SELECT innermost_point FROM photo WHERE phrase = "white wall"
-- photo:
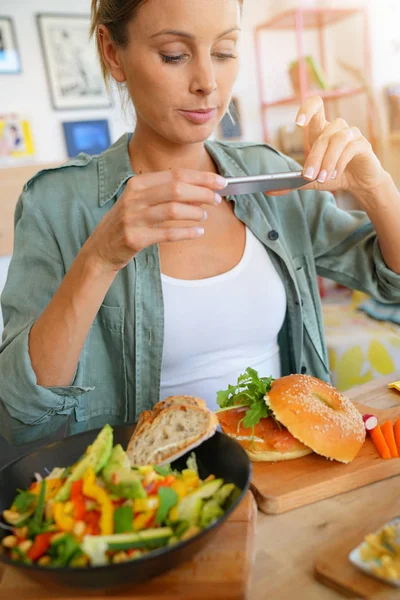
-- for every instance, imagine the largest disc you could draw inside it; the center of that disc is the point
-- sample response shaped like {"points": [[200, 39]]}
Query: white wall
{"points": [[28, 93]]}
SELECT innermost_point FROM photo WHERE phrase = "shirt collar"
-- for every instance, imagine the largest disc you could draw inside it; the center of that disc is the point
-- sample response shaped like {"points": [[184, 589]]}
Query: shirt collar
{"points": [[114, 169], [115, 166]]}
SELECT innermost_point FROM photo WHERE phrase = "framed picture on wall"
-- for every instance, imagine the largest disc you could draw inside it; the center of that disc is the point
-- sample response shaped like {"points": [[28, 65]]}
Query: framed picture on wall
{"points": [[72, 66], [230, 128], [92, 137], [9, 55], [16, 140]]}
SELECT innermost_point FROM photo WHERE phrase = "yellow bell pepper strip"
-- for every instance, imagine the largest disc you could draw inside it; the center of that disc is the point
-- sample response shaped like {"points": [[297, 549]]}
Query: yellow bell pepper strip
{"points": [[52, 487], [63, 521], [93, 491], [144, 520], [146, 504]]}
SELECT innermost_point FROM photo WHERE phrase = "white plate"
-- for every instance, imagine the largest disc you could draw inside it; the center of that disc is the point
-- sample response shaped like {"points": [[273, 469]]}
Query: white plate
{"points": [[357, 561]]}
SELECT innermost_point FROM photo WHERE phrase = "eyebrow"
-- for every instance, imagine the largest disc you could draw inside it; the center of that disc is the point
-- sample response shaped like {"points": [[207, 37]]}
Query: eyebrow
{"points": [[190, 36]]}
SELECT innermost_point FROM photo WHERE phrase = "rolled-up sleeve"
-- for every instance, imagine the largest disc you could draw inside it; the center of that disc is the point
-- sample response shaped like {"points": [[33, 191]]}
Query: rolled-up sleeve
{"points": [[29, 411], [346, 248]]}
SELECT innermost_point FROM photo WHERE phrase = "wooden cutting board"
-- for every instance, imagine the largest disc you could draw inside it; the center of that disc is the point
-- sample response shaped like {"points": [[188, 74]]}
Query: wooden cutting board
{"points": [[335, 570], [221, 571], [282, 486]]}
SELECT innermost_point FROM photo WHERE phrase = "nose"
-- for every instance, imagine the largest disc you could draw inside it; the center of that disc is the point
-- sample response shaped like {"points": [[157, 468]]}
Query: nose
{"points": [[203, 80]]}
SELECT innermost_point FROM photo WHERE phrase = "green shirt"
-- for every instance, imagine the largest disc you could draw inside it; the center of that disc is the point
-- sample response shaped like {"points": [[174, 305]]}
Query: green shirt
{"points": [[118, 374]]}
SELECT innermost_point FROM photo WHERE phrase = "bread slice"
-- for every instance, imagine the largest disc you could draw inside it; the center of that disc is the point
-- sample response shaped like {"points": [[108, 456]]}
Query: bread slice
{"points": [[170, 430], [187, 400]]}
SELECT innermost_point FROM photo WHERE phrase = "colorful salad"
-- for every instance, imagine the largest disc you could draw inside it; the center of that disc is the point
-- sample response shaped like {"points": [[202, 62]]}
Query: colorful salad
{"points": [[102, 510]]}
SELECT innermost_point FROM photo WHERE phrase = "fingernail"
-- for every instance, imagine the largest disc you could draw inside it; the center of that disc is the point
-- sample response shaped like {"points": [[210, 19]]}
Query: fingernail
{"points": [[309, 173], [199, 230], [322, 176], [301, 120], [205, 215], [218, 199], [334, 175], [221, 181]]}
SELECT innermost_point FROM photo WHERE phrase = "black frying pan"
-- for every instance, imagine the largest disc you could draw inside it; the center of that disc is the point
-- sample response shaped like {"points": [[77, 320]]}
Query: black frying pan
{"points": [[219, 455]]}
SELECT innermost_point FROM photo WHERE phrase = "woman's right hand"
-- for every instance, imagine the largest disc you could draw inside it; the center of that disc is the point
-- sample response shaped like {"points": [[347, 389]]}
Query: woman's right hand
{"points": [[153, 208]]}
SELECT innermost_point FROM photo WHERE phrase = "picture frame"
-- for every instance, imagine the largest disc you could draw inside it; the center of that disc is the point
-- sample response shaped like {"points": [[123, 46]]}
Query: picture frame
{"points": [[90, 136], [73, 70], [16, 140], [230, 128], [10, 61]]}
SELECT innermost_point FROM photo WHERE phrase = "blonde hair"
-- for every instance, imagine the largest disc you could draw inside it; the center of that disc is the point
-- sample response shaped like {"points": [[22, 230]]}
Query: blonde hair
{"points": [[115, 14]]}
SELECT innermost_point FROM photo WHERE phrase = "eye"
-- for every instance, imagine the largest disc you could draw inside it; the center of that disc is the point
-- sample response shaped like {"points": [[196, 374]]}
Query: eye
{"points": [[167, 58], [223, 56]]}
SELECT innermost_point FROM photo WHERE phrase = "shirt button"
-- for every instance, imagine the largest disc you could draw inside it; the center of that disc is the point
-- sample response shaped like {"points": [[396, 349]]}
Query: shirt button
{"points": [[303, 370], [273, 235]]}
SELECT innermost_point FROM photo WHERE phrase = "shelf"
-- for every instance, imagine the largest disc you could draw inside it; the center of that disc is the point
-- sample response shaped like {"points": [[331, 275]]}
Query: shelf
{"points": [[324, 94], [312, 18]]}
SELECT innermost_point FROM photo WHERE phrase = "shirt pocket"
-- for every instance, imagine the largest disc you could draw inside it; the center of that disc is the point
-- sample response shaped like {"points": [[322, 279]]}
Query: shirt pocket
{"points": [[103, 366], [311, 309]]}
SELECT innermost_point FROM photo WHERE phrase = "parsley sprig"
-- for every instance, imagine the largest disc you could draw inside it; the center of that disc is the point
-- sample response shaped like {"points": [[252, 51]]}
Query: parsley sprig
{"points": [[249, 391]]}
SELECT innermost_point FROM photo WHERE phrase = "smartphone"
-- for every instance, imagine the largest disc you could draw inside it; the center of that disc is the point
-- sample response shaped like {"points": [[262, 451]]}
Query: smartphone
{"points": [[249, 184]]}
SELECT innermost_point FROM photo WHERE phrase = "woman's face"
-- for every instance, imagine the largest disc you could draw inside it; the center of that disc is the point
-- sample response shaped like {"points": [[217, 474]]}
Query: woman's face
{"points": [[180, 65]]}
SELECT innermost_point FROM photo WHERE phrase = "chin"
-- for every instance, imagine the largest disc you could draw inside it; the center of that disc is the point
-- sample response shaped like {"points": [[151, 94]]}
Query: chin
{"points": [[194, 134]]}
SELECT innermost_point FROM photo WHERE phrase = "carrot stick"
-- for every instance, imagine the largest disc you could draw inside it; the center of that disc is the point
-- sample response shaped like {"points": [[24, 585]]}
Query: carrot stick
{"points": [[388, 434], [380, 442], [396, 429]]}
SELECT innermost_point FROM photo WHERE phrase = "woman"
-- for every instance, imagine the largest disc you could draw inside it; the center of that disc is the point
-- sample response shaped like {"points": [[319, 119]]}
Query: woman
{"points": [[131, 279]]}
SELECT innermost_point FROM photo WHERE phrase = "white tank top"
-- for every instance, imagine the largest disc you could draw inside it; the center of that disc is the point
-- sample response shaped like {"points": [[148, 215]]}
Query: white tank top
{"points": [[217, 327]]}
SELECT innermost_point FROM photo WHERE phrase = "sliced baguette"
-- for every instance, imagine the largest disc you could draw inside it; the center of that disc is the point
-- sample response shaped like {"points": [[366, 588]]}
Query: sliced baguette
{"points": [[187, 400], [165, 434]]}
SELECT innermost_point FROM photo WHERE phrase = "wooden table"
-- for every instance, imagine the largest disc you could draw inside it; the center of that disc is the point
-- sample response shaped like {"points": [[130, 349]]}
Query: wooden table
{"points": [[287, 545]]}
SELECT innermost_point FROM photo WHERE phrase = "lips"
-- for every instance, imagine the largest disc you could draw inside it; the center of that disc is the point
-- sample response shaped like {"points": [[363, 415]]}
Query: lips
{"points": [[200, 115]]}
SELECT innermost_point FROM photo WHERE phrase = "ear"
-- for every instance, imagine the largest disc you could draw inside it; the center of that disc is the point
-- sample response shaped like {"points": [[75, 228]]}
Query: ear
{"points": [[111, 54]]}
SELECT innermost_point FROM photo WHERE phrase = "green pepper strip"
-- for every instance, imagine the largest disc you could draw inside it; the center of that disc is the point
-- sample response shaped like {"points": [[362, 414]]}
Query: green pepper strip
{"points": [[38, 516], [123, 519]]}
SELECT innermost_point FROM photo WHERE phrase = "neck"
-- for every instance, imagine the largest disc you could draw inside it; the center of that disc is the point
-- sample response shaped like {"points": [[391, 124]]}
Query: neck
{"points": [[150, 153]]}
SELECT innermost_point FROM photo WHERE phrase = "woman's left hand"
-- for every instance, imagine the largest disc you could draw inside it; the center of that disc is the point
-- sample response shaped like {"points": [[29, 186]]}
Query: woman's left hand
{"points": [[340, 157]]}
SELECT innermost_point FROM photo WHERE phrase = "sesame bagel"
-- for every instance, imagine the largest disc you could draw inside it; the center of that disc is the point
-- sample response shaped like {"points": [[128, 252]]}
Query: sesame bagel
{"points": [[318, 415]]}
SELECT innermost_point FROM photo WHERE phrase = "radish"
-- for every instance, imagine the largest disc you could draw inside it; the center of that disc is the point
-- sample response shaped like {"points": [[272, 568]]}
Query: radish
{"points": [[370, 422]]}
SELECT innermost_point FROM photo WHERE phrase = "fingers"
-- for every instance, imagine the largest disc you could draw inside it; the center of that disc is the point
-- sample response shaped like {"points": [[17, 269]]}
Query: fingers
{"points": [[357, 147], [311, 116], [140, 238], [173, 186], [171, 211], [206, 179], [321, 163], [179, 192]]}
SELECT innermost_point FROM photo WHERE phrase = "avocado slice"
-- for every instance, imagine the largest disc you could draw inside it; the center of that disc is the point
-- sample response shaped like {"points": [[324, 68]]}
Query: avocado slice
{"points": [[96, 457], [189, 508], [210, 512], [149, 539], [222, 495], [120, 478], [96, 546]]}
